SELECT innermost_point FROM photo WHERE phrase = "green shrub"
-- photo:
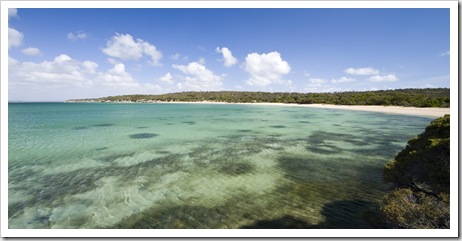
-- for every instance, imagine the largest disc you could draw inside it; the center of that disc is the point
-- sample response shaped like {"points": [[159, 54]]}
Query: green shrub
{"points": [[420, 174], [405, 208], [424, 163]]}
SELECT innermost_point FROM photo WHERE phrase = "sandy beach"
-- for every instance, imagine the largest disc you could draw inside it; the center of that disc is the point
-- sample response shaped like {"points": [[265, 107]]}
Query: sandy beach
{"points": [[416, 111], [431, 112]]}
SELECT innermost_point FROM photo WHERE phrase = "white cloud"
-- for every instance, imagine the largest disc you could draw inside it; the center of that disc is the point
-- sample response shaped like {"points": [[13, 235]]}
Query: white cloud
{"points": [[228, 58], [318, 85], [343, 80], [175, 56], [317, 82], [323, 85], [62, 58], [14, 37], [77, 36], [31, 51], [12, 12], [362, 71], [167, 78], [382, 78], [65, 78], [117, 77], [265, 69], [199, 77], [152, 51], [11, 61], [324, 89], [125, 47], [62, 71], [178, 56], [89, 67], [150, 89], [117, 81], [113, 61], [447, 53]]}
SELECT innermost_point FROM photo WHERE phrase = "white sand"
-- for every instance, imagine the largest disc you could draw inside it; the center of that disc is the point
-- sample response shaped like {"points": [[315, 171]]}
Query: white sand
{"points": [[417, 111]]}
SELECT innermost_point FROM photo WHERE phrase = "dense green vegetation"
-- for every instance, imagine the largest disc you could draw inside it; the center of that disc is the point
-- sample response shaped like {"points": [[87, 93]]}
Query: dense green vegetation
{"points": [[402, 97], [420, 174]]}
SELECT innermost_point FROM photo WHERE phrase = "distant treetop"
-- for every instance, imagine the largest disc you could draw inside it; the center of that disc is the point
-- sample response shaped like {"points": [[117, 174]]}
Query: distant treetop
{"points": [[430, 97]]}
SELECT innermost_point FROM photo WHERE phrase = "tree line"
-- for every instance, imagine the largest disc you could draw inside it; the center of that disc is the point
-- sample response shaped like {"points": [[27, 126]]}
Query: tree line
{"points": [[429, 97]]}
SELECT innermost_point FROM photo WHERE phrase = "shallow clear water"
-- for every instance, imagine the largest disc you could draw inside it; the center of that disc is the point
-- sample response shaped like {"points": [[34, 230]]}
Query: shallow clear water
{"points": [[94, 165]]}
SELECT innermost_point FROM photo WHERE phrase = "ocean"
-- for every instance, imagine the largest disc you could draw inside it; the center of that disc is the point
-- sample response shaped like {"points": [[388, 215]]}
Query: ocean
{"points": [[172, 165]]}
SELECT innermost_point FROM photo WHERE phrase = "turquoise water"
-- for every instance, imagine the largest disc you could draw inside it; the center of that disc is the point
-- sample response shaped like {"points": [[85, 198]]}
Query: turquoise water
{"points": [[101, 165]]}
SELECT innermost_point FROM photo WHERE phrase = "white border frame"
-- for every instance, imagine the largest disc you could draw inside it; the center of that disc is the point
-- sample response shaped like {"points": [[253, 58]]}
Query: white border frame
{"points": [[453, 232]]}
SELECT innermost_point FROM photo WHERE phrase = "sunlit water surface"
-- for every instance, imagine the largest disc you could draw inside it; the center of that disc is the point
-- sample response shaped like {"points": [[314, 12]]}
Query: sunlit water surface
{"points": [[94, 165]]}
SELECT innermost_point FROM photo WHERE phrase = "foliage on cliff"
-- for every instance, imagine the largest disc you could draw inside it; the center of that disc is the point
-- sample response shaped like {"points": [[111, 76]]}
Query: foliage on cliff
{"points": [[420, 174], [402, 97]]}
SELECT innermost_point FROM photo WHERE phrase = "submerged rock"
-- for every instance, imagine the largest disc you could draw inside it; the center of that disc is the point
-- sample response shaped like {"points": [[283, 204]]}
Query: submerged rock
{"points": [[103, 125], [279, 126], [80, 128], [237, 168], [143, 135]]}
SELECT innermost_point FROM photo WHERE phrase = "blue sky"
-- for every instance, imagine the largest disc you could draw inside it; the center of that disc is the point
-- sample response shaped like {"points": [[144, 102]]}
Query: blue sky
{"points": [[58, 54]]}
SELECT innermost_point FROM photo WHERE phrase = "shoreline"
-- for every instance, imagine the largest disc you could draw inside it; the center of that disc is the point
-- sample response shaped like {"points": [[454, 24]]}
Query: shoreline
{"points": [[401, 110]]}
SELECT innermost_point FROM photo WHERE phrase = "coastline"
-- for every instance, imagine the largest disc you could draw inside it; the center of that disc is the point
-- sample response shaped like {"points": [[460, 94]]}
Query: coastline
{"points": [[414, 111], [417, 111]]}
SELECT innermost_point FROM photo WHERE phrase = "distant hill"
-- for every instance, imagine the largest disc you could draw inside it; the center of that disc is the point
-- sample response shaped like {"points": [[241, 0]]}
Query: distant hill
{"points": [[430, 97]]}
